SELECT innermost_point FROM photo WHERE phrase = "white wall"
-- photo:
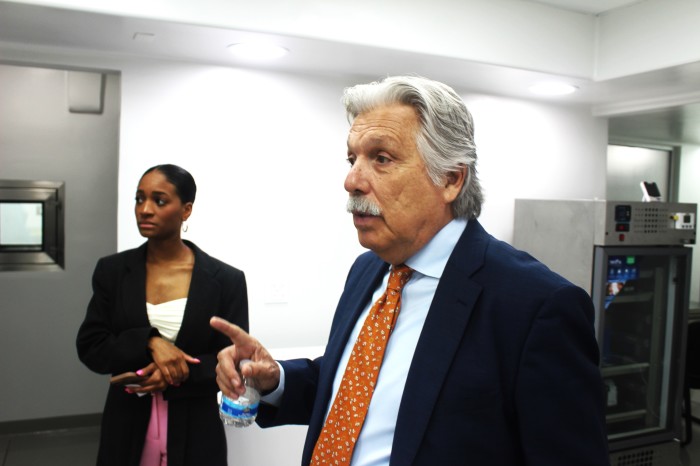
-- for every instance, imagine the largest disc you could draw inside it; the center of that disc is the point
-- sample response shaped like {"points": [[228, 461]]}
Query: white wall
{"points": [[268, 154], [534, 150]]}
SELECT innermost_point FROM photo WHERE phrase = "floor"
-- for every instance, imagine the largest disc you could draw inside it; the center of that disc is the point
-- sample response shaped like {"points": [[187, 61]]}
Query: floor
{"points": [[78, 447], [70, 447]]}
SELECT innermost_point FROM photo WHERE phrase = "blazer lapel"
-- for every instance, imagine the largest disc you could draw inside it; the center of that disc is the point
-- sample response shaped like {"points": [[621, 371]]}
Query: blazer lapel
{"points": [[359, 292], [134, 289], [202, 287], [448, 316]]}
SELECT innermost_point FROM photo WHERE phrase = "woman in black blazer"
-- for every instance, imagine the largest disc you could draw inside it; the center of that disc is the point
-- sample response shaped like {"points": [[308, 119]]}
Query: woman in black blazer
{"points": [[149, 314]]}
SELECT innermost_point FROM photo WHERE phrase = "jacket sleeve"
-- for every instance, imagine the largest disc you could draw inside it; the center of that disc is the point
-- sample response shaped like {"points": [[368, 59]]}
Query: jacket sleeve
{"points": [[105, 343], [298, 399]]}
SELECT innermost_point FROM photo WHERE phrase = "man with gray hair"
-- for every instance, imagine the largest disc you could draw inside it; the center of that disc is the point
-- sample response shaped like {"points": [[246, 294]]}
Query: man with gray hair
{"points": [[492, 358]]}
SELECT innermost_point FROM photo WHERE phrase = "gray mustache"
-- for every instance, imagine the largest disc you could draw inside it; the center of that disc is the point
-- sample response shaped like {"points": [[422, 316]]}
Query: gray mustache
{"points": [[362, 205]]}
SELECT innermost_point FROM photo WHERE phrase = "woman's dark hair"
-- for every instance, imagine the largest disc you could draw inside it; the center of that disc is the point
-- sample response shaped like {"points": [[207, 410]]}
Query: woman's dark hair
{"points": [[183, 181]]}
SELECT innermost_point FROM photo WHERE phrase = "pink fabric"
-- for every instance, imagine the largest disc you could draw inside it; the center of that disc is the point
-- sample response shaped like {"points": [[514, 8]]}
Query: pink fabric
{"points": [[155, 450]]}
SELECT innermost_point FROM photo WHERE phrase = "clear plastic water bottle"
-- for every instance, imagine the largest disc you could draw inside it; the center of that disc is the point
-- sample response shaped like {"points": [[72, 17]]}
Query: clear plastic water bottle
{"points": [[243, 411]]}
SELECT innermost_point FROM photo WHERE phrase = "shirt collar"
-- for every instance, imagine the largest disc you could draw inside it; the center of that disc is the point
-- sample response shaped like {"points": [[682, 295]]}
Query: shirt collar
{"points": [[432, 258]]}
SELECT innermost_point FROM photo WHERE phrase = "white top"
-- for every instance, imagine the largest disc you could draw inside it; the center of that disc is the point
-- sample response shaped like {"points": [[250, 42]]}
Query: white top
{"points": [[167, 317], [373, 446]]}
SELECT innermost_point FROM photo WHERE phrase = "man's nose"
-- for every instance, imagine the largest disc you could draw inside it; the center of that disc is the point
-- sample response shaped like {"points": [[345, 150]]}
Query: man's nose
{"points": [[356, 180]]}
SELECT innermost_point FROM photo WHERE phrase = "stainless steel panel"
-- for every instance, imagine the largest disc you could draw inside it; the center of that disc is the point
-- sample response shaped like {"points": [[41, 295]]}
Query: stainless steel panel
{"points": [[560, 234]]}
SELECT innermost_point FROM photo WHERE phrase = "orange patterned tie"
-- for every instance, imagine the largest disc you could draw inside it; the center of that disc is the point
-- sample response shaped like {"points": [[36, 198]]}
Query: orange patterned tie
{"points": [[347, 415]]}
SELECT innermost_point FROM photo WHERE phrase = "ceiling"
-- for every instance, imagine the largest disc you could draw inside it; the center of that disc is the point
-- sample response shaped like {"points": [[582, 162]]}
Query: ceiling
{"points": [[593, 7], [625, 101]]}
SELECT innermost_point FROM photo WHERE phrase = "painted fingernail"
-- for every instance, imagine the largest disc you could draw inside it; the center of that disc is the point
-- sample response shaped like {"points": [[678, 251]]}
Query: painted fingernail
{"points": [[139, 372]]}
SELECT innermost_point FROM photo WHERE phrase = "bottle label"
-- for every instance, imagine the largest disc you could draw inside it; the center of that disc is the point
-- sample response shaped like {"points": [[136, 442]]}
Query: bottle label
{"points": [[240, 411]]}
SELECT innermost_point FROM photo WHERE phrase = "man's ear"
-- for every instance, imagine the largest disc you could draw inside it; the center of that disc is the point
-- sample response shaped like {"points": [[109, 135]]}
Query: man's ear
{"points": [[454, 182]]}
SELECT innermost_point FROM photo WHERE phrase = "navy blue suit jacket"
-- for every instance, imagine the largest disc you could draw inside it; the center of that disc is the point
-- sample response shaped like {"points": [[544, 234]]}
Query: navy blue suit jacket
{"points": [[505, 372]]}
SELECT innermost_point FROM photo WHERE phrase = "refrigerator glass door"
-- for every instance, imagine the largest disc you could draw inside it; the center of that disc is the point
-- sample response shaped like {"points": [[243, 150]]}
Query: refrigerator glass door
{"points": [[641, 304]]}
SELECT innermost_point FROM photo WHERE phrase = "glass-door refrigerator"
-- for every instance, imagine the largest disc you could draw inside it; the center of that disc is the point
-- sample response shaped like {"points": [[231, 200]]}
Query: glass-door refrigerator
{"points": [[634, 260]]}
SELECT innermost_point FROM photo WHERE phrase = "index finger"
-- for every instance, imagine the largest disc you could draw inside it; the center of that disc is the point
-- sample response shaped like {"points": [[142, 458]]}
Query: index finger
{"points": [[234, 332]]}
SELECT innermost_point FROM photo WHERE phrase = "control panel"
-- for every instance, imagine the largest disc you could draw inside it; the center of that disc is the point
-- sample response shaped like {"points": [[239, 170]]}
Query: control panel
{"points": [[649, 223]]}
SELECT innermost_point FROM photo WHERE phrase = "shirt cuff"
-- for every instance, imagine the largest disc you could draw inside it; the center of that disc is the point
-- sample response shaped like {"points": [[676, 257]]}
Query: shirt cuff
{"points": [[275, 397]]}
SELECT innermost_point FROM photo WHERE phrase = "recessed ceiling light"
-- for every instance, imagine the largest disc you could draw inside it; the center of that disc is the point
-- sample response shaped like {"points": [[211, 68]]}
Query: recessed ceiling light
{"points": [[553, 88], [257, 50]]}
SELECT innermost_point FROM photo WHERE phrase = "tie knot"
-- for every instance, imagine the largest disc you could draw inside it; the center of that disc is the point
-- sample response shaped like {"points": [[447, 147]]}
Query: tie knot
{"points": [[399, 276]]}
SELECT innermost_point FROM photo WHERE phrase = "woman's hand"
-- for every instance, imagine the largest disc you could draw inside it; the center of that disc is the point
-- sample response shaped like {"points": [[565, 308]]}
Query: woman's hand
{"points": [[155, 381], [170, 360]]}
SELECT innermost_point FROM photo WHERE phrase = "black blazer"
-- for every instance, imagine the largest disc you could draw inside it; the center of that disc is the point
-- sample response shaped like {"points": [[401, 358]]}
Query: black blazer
{"points": [[113, 338], [505, 372]]}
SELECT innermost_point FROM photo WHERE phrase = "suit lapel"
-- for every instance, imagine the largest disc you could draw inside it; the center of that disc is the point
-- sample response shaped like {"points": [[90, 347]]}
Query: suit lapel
{"points": [[359, 292], [134, 289], [447, 320], [202, 287]]}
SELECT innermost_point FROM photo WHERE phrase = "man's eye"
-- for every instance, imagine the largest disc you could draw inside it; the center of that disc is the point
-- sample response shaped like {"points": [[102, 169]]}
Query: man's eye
{"points": [[382, 159], [351, 161], [139, 200], [160, 202]]}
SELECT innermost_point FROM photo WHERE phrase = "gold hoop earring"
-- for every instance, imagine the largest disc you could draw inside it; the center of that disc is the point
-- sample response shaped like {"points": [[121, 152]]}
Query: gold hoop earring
{"points": [[185, 227]]}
